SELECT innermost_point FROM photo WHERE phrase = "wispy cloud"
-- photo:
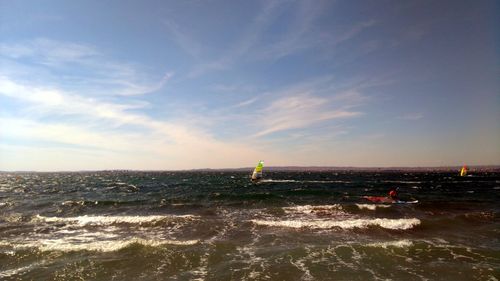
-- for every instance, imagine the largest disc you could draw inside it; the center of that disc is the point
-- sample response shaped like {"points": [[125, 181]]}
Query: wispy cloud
{"points": [[182, 39], [351, 32], [98, 74], [250, 45], [301, 33], [299, 111], [297, 108], [412, 116], [246, 102], [99, 124], [47, 51]]}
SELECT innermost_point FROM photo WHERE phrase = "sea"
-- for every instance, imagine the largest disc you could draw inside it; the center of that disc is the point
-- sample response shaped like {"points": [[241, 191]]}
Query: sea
{"points": [[217, 225]]}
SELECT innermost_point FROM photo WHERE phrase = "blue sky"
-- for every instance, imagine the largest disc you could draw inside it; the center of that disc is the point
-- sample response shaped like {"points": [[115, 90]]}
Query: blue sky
{"points": [[88, 85]]}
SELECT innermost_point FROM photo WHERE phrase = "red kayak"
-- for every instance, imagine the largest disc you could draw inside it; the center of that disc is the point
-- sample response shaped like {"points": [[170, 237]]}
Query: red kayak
{"points": [[379, 199]]}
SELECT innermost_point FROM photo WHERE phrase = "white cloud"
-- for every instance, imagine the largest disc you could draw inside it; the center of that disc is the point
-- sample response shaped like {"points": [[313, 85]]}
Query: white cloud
{"points": [[299, 111], [58, 133], [50, 114], [247, 102], [179, 145], [301, 33], [97, 74], [181, 37], [103, 129], [295, 109], [246, 43], [46, 51]]}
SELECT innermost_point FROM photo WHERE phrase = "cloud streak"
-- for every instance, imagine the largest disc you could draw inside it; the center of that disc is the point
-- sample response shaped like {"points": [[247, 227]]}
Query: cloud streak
{"points": [[101, 128], [299, 111], [302, 33], [57, 60], [298, 108], [49, 52], [252, 46], [52, 114], [92, 123]]}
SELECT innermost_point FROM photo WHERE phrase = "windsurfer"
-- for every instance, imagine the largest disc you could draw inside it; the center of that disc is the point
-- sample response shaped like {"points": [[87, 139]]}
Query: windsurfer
{"points": [[257, 172]]}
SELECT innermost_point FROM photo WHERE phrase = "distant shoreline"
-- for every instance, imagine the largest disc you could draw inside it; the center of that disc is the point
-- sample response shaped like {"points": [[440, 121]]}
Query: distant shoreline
{"points": [[472, 168], [484, 168]]}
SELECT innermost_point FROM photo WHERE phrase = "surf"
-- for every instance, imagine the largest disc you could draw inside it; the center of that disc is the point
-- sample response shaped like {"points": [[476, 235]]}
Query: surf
{"points": [[111, 220], [393, 224]]}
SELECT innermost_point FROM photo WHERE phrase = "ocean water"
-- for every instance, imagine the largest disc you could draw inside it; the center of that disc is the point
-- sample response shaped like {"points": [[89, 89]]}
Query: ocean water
{"points": [[219, 226]]}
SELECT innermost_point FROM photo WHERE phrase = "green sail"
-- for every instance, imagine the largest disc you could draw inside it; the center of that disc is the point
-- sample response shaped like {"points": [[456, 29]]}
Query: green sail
{"points": [[257, 172]]}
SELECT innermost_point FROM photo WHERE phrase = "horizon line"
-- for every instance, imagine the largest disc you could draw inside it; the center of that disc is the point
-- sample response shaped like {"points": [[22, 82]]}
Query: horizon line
{"points": [[276, 168]]}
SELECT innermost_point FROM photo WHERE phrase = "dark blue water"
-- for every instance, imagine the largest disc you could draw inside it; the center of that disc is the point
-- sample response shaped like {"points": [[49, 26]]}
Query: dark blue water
{"points": [[219, 226]]}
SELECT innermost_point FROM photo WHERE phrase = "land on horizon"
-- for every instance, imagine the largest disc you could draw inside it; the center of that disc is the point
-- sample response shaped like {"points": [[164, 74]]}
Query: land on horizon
{"points": [[472, 168]]}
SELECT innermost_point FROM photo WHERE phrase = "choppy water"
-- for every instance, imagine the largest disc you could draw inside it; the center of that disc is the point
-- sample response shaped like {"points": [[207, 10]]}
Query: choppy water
{"points": [[219, 226]]}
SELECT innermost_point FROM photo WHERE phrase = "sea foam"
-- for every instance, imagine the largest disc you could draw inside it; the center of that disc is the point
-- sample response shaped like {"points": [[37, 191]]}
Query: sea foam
{"points": [[109, 220], [372, 207], [394, 244], [70, 245], [396, 224], [312, 208]]}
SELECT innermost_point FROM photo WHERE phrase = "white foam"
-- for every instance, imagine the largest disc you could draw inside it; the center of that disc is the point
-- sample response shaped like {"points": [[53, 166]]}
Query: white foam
{"points": [[397, 224], [108, 246], [15, 217], [394, 244], [73, 203], [305, 181], [312, 208], [300, 265], [271, 180], [372, 207], [15, 271], [109, 220], [70, 245]]}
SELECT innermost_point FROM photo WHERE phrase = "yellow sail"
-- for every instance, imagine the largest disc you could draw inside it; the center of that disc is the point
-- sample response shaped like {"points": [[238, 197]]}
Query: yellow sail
{"points": [[257, 172], [463, 171]]}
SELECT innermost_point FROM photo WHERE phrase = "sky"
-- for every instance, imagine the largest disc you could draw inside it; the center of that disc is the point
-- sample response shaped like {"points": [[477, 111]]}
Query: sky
{"points": [[169, 85]]}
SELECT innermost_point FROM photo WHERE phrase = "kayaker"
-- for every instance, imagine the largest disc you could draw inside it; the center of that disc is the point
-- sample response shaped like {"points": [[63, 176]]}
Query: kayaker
{"points": [[393, 194]]}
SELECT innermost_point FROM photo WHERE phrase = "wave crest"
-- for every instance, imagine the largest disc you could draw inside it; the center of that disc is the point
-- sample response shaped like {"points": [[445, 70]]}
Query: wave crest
{"points": [[396, 224], [69, 245], [372, 207], [110, 220]]}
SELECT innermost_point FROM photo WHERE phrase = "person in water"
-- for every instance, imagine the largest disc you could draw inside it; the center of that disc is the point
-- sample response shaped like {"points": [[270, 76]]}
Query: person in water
{"points": [[393, 194]]}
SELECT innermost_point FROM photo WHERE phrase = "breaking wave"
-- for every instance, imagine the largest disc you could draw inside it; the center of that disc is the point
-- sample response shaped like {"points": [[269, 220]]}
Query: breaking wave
{"points": [[396, 224], [110, 220], [372, 207], [70, 245], [312, 208]]}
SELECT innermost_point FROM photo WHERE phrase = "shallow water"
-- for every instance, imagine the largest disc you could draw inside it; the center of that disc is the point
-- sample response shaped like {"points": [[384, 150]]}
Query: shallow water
{"points": [[219, 226]]}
